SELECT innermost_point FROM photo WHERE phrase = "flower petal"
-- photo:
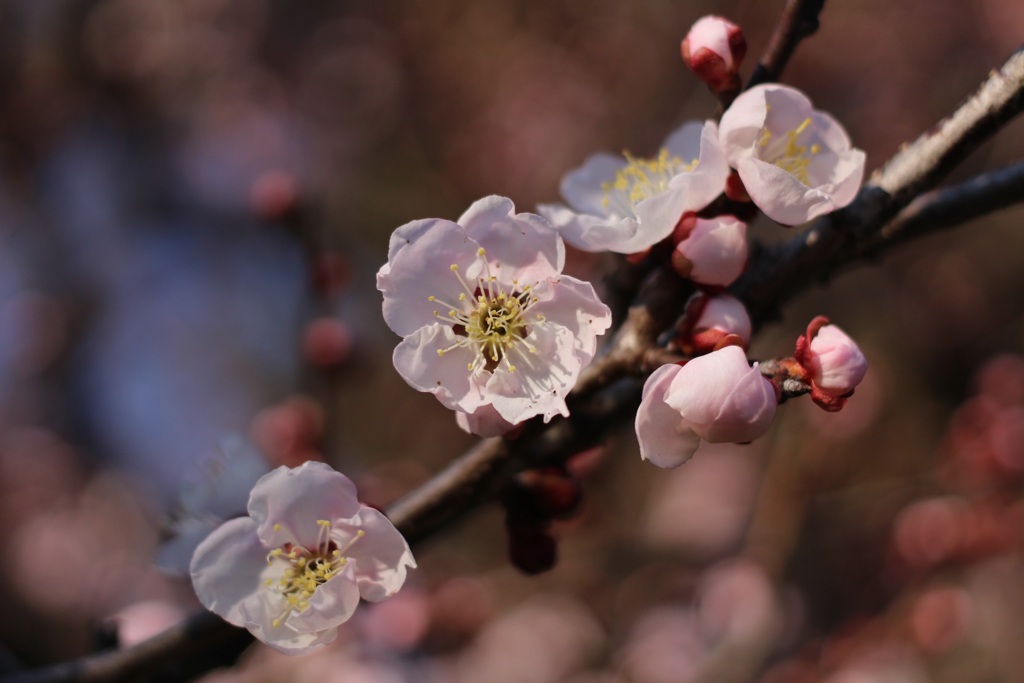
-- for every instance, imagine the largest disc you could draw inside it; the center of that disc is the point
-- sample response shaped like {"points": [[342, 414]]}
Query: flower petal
{"points": [[523, 246], [333, 603], [664, 438], [227, 569], [423, 268], [287, 503], [780, 195], [541, 380], [484, 421], [574, 304], [382, 556], [260, 620], [446, 376], [582, 187]]}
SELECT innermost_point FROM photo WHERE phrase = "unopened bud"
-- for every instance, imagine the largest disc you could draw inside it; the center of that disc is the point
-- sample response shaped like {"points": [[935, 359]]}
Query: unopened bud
{"points": [[713, 321], [714, 253], [713, 49], [833, 360]]}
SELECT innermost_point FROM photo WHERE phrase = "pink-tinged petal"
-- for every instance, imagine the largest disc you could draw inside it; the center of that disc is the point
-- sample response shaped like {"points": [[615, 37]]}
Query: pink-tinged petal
{"points": [[685, 141], [333, 603], [541, 380], [446, 376], [741, 124], [583, 231], [381, 556], [523, 246], [722, 398], [260, 620], [664, 438], [590, 233], [836, 363], [705, 182], [725, 313], [717, 250], [780, 195], [421, 269], [574, 305], [484, 421], [849, 175], [287, 503], [227, 569], [656, 218], [787, 107], [582, 187], [405, 235]]}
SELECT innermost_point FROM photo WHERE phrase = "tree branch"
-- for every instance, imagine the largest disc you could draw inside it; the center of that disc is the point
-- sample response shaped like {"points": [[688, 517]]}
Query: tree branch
{"points": [[952, 206], [610, 389], [841, 237], [799, 20]]}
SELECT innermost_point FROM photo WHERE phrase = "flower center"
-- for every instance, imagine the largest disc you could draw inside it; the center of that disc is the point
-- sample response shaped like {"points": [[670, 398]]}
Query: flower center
{"points": [[788, 154], [642, 179], [488, 320], [306, 569]]}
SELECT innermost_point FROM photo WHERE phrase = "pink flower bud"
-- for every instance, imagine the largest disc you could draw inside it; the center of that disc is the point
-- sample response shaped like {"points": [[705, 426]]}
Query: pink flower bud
{"points": [[834, 362], [713, 49], [718, 398], [714, 253], [710, 319]]}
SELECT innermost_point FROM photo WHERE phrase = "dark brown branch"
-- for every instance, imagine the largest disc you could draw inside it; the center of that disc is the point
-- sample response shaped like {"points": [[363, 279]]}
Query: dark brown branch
{"points": [[952, 206], [844, 236], [799, 20]]}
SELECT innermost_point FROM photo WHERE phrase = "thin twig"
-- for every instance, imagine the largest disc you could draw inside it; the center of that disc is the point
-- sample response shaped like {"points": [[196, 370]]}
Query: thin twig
{"points": [[799, 20]]}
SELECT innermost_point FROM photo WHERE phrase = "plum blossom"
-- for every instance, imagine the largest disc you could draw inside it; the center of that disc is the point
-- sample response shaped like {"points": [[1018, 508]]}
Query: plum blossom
{"points": [[834, 362], [491, 327], [718, 398], [711, 252], [626, 204], [795, 162], [713, 49], [714, 320], [295, 568]]}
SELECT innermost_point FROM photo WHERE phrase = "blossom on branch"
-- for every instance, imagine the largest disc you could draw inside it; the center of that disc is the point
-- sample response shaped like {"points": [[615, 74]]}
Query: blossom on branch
{"points": [[713, 321], [795, 162], [295, 568], [833, 361], [713, 49], [711, 252], [718, 398], [488, 319], [626, 204]]}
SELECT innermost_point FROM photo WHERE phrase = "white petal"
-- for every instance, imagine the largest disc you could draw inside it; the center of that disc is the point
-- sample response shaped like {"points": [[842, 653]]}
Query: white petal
{"points": [[227, 569], [382, 557], [484, 421], [287, 503], [259, 620], [333, 603], [685, 142], [447, 377], [421, 269], [573, 304], [740, 127], [541, 380], [718, 250], [582, 187], [664, 438], [780, 195], [523, 246]]}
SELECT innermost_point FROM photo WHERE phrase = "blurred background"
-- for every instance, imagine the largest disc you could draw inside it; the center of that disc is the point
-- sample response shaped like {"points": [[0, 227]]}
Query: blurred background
{"points": [[194, 198]]}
